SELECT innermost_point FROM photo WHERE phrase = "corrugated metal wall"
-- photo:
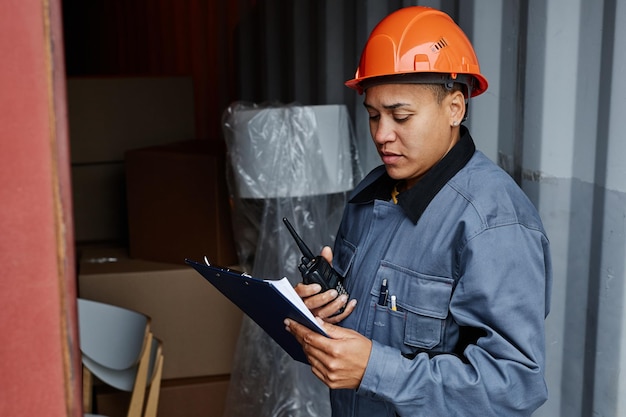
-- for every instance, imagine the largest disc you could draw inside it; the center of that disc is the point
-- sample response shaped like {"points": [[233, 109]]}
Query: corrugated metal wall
{"points": [[551, 118], [573, 159]]}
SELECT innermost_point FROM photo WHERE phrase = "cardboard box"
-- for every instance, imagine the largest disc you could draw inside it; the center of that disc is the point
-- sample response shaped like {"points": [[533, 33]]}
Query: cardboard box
{"points": [[109, 115], [178, 203], [201, 397], [199, 327], [99, 202]]}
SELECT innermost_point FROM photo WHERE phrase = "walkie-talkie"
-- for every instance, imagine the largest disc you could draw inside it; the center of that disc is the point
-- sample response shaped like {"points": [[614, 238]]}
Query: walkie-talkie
{"points": [[315, 269]]}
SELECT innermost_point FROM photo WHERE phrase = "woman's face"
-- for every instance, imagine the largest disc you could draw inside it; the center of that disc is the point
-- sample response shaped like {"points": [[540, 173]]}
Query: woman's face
{"points": [[411, 129]]}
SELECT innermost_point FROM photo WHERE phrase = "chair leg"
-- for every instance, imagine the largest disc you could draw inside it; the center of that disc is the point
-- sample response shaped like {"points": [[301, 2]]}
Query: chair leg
{"points": [[87, 390], [155, 388], [135, 408]]}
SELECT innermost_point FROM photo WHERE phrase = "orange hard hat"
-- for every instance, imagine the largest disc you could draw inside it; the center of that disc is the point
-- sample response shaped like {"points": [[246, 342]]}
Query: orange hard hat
{"points": [[418, 45]]}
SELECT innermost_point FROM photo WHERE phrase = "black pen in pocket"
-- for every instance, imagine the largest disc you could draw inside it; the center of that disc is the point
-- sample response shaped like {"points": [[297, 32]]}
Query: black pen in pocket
{"points": [[383, 293]]}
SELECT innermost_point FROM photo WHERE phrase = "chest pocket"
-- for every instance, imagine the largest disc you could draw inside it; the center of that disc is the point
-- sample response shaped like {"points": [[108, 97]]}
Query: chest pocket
{"points": [[343, 257], [422, 307]]}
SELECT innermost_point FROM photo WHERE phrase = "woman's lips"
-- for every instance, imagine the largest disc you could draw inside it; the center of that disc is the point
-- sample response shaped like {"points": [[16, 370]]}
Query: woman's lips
{"points": [[389, 158]]}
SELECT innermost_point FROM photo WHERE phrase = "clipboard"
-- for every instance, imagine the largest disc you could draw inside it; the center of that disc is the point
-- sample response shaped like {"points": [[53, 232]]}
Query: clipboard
{"points": [[267, 302]]}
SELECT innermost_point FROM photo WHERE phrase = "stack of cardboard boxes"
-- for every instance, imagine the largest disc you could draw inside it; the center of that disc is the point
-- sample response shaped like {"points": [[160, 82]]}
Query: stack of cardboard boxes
{"points": [[176, 207], [197, 325]]}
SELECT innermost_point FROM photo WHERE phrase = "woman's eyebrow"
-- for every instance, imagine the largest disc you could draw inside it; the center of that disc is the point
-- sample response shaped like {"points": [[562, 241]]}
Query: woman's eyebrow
{"points": [[387, 106]]}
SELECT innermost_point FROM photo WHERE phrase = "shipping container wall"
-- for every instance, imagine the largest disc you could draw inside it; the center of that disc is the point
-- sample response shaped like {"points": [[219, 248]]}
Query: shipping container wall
{"points": [[550, 118]]}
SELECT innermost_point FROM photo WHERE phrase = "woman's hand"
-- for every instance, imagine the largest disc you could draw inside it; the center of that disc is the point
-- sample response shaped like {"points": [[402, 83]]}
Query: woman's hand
{"points": [[325, 305], [338, 360]]}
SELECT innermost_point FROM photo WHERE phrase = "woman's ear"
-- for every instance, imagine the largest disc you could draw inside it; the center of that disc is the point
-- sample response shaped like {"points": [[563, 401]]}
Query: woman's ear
{"points": [[456, 104]]}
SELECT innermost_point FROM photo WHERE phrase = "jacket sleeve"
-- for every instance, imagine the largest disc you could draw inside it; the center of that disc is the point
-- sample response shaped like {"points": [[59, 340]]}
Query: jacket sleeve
{"points": [[503, 289]]}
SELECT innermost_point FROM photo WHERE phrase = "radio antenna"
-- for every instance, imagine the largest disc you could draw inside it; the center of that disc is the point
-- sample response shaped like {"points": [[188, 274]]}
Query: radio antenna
{"points": [[303, 247]]}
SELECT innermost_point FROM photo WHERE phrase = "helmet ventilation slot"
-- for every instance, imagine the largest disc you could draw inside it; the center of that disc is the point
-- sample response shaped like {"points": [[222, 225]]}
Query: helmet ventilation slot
{"points": [[439, 45]]}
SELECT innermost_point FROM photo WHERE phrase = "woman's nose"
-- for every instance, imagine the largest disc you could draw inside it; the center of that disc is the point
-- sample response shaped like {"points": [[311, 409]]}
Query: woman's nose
{"points": [[382, 131]]}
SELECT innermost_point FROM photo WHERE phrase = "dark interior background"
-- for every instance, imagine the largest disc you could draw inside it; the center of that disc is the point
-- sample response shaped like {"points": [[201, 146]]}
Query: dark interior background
{"points": [[286, 51]]}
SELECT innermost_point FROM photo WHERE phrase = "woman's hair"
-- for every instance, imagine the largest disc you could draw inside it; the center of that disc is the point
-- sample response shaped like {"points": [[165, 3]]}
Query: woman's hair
{"points": [[441, 91]]}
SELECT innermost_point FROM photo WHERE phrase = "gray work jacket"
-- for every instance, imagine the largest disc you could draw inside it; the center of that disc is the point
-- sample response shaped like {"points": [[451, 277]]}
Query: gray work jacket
{"points": [[466, 255]]}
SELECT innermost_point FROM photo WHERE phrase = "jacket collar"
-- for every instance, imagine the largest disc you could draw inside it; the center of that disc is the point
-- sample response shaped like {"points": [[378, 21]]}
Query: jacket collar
{"points": [[415, 200]]}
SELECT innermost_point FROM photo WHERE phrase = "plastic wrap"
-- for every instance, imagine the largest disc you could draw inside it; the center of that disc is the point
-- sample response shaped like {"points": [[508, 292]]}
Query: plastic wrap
{"points": [[297, 162]]}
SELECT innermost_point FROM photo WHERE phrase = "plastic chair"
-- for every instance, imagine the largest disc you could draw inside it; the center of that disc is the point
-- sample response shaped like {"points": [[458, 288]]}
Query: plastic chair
{"points": [[118, 348]]}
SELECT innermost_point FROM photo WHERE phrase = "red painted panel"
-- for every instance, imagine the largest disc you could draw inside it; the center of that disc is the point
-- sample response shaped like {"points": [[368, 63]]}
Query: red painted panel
{"points": [[36, 328]]}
